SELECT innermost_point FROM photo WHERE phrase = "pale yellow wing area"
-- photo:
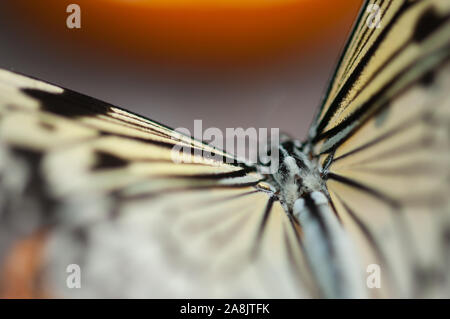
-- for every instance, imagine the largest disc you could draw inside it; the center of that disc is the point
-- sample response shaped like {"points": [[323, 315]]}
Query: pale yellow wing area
{"points": [[382, 139], [379, 63], [390, 182], [105, 190]]}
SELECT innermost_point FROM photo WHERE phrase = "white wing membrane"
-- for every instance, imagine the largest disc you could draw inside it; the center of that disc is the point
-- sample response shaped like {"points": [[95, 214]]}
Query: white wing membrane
{"points": [[98, 187], [383, 139]]}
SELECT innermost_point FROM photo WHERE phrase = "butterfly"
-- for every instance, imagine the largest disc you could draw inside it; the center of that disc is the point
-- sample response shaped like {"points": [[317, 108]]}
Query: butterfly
{"points": [[360, 208]]}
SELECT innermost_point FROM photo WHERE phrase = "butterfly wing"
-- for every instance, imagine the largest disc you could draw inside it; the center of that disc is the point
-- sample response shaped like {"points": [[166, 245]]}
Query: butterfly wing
{"points": [[142, 210], [89, 184], [382, 138]]}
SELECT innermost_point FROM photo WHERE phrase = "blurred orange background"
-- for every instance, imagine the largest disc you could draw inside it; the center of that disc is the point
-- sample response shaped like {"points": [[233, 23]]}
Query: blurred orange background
{"points": [[231, 63], [196, 31]]}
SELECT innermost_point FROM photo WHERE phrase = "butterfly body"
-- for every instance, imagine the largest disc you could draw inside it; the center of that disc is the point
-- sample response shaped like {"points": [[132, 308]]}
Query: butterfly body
{"points": [[299, 185], [296, 176]]}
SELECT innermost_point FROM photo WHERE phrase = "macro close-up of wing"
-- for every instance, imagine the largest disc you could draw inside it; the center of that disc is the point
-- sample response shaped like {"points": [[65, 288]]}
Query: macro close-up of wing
{"points": [[104, 191], [147, 212], [383, 138]]}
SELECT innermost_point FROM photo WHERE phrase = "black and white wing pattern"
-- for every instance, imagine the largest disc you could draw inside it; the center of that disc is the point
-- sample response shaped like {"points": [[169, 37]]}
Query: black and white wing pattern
{"points": [[382, 138], [87, 184], [90, 185]]}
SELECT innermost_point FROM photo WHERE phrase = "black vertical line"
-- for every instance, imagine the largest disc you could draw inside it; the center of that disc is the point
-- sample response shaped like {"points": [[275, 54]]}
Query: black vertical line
{"points": [[369, 236], [262, 226]]}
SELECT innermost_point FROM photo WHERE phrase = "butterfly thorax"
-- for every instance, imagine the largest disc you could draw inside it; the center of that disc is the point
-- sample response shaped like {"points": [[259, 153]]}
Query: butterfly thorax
{"points": [[298, 174]]}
